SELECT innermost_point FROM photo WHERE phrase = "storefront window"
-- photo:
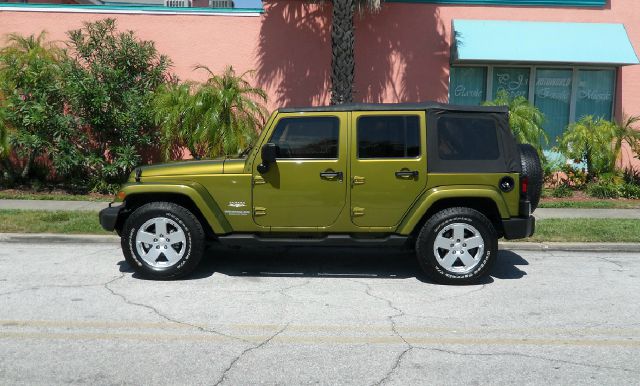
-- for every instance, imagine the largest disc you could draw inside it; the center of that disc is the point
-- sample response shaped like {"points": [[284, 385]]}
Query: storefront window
{"points": [[595, 93], [553, 98], [468, 85], [514, 81], [564, 95]]}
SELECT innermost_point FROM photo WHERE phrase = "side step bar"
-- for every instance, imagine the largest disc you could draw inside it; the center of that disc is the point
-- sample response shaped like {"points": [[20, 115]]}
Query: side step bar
{"points": [[326, 241]]}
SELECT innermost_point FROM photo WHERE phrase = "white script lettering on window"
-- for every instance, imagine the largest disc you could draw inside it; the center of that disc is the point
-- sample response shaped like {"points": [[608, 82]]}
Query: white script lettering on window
{"points": [[461, 91]]}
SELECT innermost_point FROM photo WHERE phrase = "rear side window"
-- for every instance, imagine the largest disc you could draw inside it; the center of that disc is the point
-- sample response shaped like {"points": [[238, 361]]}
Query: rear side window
{"points": [[395, 136], [466, 138], [313, 137]]}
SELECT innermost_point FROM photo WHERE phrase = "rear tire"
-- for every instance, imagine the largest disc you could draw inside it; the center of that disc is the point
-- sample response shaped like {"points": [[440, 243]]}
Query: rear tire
{"points": [[162, 241], [457, 246], [532, 169]]}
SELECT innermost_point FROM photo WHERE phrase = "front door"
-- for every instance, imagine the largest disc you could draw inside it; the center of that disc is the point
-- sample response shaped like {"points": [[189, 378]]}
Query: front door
{"points": [[306, 185], [389, 167]]}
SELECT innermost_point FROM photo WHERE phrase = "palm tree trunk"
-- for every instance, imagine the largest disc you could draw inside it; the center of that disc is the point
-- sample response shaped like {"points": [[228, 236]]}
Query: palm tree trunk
{"points": [[28, 163], [342, 49]]}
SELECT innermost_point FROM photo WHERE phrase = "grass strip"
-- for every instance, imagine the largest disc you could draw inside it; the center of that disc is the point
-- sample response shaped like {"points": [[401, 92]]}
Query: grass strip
{"points": [[42, 221], [587, 230], [592, 204], [51, 197], [570, 230]]}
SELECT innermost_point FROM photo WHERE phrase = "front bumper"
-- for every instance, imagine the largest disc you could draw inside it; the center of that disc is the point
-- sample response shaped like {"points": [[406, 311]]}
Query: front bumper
{"points": [[518, 227], [109, 217]]}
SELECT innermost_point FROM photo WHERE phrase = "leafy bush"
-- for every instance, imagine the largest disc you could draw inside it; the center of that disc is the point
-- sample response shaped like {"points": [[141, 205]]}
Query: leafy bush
{"points": [[603, 189], [629, 190], [111, 77], [625, 131], [631, 176], [220, 117], [590, 140], [524, 118], [551, 170], [4, 142], [562, 191], [32, 108]]}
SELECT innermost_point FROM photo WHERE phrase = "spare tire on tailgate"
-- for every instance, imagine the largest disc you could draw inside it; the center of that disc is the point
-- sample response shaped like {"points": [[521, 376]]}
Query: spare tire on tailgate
{"points": [[532, 169]]}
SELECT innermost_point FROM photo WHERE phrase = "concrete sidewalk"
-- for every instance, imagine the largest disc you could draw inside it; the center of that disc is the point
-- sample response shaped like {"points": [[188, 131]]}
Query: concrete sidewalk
{"points": [[545, 213], [53, 205], [541, 213]]}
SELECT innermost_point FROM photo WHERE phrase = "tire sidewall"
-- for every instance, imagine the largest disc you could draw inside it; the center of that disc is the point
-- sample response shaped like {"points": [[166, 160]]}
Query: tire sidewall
{"points": [[132, 227], [429, 262], [531, 168]]}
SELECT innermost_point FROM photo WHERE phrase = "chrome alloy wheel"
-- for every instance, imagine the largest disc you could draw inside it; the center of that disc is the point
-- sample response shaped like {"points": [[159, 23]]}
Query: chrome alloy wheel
{"points": [[161, 242], [458, 248]]}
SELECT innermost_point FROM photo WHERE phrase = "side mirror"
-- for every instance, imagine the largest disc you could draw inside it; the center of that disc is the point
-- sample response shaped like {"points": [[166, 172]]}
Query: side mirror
{"points": [[269, 154]]}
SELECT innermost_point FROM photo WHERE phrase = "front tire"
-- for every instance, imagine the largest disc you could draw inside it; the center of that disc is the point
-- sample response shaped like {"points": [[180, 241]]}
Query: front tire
{"points": [[162, 240], [457, 246]]}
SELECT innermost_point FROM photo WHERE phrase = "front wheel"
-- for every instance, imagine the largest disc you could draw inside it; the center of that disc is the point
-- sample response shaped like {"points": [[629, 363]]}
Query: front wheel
{"points": [[457, 246], [162, 240]]}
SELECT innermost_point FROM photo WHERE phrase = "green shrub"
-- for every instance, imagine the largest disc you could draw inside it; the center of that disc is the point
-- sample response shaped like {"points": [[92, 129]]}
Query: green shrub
{"points": [[604, 190], [32, 105], [629, 190], [590, 141], [111, 77], [562, 191], [631, 176], [219, 117], [525, 119]]}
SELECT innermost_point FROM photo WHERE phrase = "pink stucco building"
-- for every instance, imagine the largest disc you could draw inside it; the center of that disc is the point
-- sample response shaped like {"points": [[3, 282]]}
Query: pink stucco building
{"points": [[444, 50]]}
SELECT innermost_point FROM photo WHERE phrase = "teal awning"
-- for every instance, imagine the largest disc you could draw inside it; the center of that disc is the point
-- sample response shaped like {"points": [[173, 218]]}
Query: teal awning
{"points": [[541, 42]]}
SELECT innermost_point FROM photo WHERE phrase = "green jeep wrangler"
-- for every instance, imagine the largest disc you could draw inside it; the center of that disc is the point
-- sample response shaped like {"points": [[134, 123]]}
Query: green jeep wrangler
{"points": [[448, 181]]}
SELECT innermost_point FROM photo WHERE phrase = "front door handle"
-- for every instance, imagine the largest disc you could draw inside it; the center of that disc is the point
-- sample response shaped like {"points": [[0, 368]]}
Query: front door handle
{"points": [[407, 174], [331, 175]]}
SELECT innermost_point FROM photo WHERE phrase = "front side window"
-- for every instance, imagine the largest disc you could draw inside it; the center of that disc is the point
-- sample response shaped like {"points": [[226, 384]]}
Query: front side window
{"points": [[467, 138], [313, 137], [396, 136]]}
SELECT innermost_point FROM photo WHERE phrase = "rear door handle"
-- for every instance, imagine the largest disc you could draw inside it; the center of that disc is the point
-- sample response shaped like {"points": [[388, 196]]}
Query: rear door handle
{"points": [[407, 174], [331, 175]]}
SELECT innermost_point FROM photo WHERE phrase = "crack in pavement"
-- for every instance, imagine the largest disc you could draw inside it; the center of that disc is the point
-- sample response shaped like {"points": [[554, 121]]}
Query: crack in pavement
{"points": [[164, 316], [391, 318], [608, 261], [528, 356], [284, 290], [247, 350]]}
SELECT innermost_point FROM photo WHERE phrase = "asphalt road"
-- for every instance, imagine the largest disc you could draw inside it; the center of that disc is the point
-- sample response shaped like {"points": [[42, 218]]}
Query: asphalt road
{"points": [[75, 313]]}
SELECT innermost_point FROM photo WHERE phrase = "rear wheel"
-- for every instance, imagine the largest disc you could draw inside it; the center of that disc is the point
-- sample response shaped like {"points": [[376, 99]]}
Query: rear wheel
{"points": [[457, 246], [162, 240]]}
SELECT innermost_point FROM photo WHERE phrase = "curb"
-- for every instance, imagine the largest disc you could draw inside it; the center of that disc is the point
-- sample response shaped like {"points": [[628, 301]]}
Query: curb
{"points": [[51, 238], [569, 247]]}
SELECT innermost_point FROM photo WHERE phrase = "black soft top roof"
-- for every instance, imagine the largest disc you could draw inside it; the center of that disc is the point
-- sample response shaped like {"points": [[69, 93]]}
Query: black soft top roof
{"points": [[397, 107]]}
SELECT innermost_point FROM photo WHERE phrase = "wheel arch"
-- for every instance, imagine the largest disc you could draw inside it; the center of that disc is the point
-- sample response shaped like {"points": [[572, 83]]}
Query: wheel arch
{"points": [[485, 200], [201, 204]]}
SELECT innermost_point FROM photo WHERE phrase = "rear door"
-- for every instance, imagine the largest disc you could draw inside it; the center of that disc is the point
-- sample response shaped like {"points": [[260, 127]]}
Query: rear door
{"points": [[389, 168]]}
